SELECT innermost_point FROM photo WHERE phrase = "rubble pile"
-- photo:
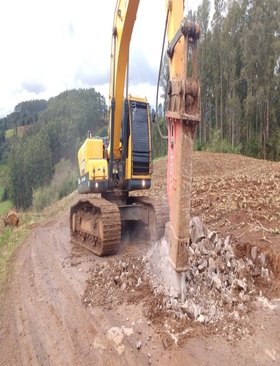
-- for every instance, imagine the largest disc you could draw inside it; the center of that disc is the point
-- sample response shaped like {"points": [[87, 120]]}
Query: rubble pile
{"points": [[216, 282], [218, 287], [116, 281]]}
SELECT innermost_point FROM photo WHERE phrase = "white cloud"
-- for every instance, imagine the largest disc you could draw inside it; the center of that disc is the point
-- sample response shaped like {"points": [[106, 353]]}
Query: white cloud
{"points": [[50, 46]]}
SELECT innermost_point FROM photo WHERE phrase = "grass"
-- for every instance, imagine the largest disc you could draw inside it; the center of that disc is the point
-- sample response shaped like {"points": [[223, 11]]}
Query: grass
{"points": [[159, 158], [11, 238], [9, 241], [5, 206], [3, 170], [63, 183], [9, 133]]}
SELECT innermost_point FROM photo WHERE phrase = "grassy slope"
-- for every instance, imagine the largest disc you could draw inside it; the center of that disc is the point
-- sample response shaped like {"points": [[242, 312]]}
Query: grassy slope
{"points": [[5, 206], [10, 238]]}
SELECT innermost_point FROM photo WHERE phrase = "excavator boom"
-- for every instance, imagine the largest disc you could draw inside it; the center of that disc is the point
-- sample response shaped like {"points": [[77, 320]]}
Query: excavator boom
{"points": [[124, 19]]}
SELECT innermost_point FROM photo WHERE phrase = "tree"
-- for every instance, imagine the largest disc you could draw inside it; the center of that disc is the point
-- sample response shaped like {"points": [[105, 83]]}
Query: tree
{"points": [[54, 136], [159, 144], [260, 50], [20, 191], [233, 27], [203, 17]]}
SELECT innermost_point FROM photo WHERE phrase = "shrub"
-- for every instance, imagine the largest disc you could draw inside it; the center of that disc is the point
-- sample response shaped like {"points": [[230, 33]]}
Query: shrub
{"points": [[43, 197], [67, 186]]}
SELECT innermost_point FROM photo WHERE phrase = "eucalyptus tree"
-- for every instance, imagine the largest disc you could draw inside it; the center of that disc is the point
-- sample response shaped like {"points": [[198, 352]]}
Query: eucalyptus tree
{"points": [[217, 55], [260, 51], [204, 75], [232, 64], [20, 191]]}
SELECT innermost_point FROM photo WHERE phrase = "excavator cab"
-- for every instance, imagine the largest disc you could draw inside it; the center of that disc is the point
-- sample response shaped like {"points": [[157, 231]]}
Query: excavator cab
{"points": [[100, 172]]}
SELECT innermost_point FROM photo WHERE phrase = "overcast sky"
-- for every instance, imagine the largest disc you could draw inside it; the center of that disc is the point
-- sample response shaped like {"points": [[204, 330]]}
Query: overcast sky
{"points": [[50, 46]]}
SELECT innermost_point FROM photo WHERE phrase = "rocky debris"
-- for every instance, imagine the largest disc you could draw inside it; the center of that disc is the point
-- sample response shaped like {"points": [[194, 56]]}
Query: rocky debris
{"points": [[215, 279], [217, 289], [12, 218]]}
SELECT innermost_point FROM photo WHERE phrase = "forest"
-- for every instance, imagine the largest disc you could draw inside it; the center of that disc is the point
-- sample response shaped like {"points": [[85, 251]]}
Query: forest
{"points": [[53, 130], [239, 72]]}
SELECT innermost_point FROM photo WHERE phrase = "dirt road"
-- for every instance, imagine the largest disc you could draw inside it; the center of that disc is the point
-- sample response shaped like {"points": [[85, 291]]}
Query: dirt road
{"points": [[55, 313]]}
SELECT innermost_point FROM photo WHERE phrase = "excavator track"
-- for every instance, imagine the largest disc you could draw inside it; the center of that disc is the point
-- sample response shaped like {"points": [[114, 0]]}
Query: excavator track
{"points": [[158, 214], [95, 225]]}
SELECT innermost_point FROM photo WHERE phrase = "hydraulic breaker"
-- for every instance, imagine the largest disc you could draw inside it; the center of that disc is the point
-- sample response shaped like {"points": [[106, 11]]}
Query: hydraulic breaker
{"points": [[182, 115]]}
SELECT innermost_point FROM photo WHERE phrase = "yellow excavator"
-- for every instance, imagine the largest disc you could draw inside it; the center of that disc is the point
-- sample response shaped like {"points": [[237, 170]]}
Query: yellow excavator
{"points": [[123, 164]]}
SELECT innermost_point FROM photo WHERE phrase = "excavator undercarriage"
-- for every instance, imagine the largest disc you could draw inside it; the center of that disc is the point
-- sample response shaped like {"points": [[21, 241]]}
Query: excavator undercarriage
{"points": [[96, 223]]}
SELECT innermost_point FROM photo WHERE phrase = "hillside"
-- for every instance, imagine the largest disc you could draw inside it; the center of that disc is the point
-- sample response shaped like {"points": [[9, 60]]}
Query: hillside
{"points": [[43, 133]]}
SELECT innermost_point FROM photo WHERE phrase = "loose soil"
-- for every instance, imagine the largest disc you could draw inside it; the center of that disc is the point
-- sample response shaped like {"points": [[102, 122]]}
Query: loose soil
{"points": [[63, 306]]}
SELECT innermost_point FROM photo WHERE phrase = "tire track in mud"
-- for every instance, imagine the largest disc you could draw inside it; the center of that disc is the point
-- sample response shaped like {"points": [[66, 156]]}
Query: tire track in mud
{"points": [[49, 325], [44, 321]]}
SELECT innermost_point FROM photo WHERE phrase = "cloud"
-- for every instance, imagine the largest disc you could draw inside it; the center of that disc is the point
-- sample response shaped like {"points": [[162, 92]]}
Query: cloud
{"points": [[88, 75], [4, 112], [140, 71], [70, 47], [33, 87], [71, 30]]}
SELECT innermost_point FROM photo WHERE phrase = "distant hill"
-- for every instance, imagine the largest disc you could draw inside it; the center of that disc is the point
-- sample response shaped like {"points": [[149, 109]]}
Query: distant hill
{"points": [[25, 113], [55, 130]]}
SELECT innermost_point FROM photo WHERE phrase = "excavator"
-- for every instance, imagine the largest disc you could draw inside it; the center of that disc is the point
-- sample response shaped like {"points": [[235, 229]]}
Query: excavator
{"points": [[110, 171]]}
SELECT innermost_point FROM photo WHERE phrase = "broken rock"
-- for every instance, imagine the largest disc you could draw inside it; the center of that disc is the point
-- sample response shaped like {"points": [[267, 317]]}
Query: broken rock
{"points": [[197, 230]]}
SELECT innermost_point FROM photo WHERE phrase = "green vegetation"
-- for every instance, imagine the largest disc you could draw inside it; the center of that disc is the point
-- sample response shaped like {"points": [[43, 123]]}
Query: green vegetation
{"points": [[216, 145], [10, 133], [239, 77], [5, 236], [159, 144], [56, 130], [11, 238], [239, 72], [63, 183], [25, 114], [5, 206]]}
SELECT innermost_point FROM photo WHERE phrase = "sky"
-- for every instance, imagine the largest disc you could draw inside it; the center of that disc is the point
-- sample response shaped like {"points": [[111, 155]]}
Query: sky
{"points": [[47, 47]]}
